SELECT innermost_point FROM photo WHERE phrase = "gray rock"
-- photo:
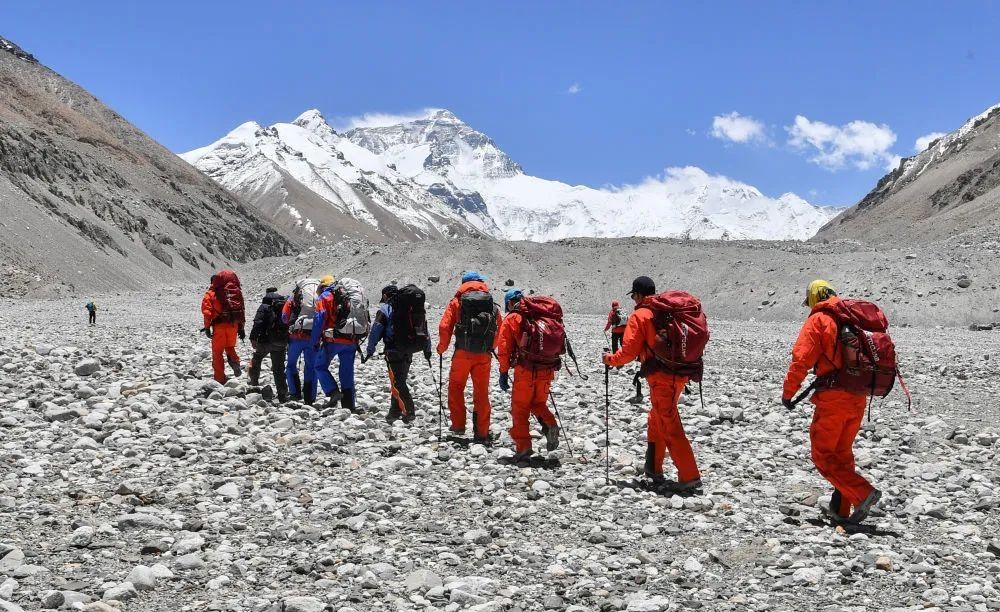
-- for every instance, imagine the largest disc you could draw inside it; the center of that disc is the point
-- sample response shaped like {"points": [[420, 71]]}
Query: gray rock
{"points": [[422, 580], [303, 604], [120, 592], [87, 367], [142, 577], [11, 561], [52, 600]]}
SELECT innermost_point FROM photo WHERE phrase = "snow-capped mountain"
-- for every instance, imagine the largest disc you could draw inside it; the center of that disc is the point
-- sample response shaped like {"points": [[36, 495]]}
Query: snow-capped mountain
{"points": [[306, 177], [441, 164]]}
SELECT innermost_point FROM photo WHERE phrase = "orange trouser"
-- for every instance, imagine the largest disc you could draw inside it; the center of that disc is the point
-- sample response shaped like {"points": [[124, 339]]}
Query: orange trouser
{"points": [[464, 364], [664, 431], [836, 422], [529, 396], [223, 341]]}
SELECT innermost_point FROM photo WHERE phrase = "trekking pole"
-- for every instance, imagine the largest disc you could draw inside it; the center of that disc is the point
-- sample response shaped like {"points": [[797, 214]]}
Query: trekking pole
{"points": [[562, 425], [607, 425], [440, 401], [572, 355]]}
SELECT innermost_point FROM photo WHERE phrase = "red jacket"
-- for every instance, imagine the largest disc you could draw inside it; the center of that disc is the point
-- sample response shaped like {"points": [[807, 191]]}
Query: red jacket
{"points": [[507, 339], [640, 334], [451, 314], [816, 348]]}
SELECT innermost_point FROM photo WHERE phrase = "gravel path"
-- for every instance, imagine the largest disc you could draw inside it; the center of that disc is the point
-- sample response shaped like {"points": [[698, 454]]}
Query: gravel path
{"points": [[127, 475]]}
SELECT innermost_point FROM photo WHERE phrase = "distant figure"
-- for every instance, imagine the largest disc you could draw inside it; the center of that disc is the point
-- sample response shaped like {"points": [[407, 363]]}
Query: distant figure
{"points": [[92, 312], [616, 323], [401, 325], [269, 336], [474, 320], [225, 318]]}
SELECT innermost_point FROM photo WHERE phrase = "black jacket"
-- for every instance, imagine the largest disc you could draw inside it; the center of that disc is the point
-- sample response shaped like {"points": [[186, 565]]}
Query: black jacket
{"points": [[267, 326]]}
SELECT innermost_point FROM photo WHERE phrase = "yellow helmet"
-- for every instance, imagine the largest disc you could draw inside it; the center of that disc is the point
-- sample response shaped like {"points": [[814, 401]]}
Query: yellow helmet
{"points": [[818, 291], [327, 280]]}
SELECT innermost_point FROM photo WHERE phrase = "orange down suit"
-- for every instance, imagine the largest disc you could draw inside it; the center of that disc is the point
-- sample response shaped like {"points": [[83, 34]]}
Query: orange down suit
{"points": [[530, 391], [223, 334], [664, 431], [838, 415], [465, 364]]}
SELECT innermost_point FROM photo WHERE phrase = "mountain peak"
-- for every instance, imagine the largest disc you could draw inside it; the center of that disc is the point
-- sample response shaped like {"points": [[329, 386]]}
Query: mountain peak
{"points": [[18, 52], [310, 120]]}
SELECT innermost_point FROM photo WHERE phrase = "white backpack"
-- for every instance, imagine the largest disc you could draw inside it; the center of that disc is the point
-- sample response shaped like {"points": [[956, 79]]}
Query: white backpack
{"points": [[307, 308], [358, 321]]}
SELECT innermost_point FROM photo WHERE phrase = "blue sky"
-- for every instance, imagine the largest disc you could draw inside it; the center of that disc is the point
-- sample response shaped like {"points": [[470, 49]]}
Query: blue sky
{"points": [[815, 98]]}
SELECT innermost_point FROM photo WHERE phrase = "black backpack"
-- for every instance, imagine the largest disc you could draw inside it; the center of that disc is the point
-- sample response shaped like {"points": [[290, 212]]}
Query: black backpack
{"points": [[477, 322], [278, 331], [409, 320]]}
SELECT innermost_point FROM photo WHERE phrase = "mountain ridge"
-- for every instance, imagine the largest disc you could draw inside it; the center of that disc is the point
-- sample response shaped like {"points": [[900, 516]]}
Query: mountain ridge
{"points": [[466, 171]]}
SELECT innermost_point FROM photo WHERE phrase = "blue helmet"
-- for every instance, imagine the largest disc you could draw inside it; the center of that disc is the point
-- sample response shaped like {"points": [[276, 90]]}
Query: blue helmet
{"points": [[472, 275], [512, 295]]}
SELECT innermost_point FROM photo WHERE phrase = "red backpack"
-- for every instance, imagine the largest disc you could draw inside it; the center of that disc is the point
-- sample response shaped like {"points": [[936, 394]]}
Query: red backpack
{"points": [[227, 288], [681, 334], [543, 336], [868, 354]]}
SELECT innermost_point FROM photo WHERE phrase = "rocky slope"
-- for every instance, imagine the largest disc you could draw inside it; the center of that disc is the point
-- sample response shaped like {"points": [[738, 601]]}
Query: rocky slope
{"points": [[949, 190], [437, 176], [91, 203], [942, 284], [128, 478]]}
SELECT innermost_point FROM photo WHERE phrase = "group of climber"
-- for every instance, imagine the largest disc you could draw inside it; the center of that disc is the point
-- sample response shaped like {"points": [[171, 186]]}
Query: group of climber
{"points": [[844, 342]]}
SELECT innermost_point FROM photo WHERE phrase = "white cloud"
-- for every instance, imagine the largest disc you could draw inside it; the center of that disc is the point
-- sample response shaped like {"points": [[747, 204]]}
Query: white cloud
{"points": [[574, 89], [860, 144], [738, 128], [342, 124], [925, 141]]}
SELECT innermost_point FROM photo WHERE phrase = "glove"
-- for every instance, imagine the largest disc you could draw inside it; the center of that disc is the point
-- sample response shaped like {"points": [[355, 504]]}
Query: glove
{"points": [[787, 403], [207, 331], [427, 354], [505, 382], [441, 349], [606, 357], [242, 334]]}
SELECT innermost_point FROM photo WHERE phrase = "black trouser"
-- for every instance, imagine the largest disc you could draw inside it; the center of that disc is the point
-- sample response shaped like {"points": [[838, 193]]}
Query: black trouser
{"points": [[401, 402], [93, 317], [616, 341], [637, 381], [277, 353]]}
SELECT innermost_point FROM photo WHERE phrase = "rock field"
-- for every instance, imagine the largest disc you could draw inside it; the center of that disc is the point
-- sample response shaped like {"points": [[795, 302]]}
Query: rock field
{"points": [[129, 480]]}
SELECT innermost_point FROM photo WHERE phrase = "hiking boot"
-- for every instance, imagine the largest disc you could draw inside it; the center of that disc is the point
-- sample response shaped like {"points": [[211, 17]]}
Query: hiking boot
{"points": [[348, 402], [409, 417], [392, 416], [267, 393], [334, 398], [544, 430], [861, 512], [459, 431], [635, 399], [552, 438], [486, 440], [656, 481], [235, 365], [687, 487], [522, 456]]}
